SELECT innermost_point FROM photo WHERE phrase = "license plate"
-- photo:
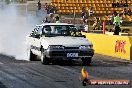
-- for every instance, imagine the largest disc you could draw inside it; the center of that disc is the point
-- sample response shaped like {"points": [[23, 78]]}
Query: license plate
{"points": [[72, 54]]}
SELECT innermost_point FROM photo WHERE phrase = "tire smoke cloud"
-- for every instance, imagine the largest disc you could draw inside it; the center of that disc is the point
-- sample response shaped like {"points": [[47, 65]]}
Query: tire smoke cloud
{"points": [[15, 25]]}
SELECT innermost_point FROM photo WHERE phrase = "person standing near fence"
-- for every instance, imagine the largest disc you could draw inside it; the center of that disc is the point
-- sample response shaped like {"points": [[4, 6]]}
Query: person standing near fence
{"points": [[91, 11], [83, 12], [57, 19], [39, 5], [116, 23], [38, 11]]}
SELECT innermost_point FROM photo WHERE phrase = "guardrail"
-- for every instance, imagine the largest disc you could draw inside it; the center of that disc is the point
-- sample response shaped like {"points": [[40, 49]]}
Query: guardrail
{"points": [[111, 45]]}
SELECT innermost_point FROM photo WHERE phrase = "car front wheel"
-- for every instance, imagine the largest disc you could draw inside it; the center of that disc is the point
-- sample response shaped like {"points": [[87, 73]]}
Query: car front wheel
{"points": [[32, 57], [86, 61], [44, 59]]}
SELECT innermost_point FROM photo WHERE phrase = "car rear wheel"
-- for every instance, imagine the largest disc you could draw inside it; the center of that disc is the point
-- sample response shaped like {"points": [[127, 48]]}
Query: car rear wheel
{"points": [[44, 59], [86, 61], [32, 57]]}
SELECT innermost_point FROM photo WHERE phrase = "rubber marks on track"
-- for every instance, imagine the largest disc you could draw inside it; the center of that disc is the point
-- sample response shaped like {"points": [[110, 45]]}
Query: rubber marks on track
{"points": [[1, 63]]}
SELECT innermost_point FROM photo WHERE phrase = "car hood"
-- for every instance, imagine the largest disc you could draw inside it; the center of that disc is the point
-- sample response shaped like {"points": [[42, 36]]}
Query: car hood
{"points": [[66, 41]]}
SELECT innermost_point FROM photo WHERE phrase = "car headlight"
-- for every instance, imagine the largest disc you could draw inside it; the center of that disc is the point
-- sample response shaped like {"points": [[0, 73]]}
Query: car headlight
{"points": [[86, 47], [56, 47]]}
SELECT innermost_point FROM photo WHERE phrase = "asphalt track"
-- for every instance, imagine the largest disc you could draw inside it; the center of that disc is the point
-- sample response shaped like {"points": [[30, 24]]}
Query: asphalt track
{"points": [[61, 74]]}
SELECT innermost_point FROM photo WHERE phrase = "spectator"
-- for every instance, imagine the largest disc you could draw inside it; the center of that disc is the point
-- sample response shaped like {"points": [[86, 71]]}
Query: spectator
{"points": [[90, 11], [45, 20], [83, 12], [48, 9], [38, 11], [39, 5], [111, 19], [121, 4], [84, 18], [86, 27], [51, 18], [121, 18], [126, 4], [97, 24], [125, 12], [46, 6], [114, 3], [116, 23], [117, 4], [57, 19], [53, 9], [129, 12]]}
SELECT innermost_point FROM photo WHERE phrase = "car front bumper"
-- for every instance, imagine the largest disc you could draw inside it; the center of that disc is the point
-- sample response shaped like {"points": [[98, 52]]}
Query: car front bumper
{"points": [[62, 54]]}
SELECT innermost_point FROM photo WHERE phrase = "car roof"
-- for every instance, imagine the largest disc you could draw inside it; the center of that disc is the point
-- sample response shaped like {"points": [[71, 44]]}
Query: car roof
{"points": [[54, 24]]}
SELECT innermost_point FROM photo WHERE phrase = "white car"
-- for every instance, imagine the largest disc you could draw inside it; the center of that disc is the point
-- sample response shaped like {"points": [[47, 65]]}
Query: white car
{"points": [[52, 41]]}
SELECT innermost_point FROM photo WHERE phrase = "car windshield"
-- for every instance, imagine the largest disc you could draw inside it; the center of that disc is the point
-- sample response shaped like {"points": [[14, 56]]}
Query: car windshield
{"points": [[59, 30]]}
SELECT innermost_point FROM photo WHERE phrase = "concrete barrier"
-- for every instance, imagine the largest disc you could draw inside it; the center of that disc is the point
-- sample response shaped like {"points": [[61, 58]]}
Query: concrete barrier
{"points": [[111, 45]]}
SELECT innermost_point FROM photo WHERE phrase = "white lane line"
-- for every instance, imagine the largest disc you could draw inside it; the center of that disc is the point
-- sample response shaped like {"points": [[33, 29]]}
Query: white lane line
{"points": [[1, 63]]}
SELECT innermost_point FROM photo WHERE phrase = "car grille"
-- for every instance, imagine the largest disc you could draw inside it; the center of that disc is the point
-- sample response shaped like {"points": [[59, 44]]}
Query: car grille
{"points": [[71, 47], [64, 53]]}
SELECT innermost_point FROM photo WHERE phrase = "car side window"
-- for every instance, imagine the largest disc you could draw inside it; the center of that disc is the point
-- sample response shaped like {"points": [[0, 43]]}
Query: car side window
{"points": [[38, 32], [33, 32], [58, 29]]}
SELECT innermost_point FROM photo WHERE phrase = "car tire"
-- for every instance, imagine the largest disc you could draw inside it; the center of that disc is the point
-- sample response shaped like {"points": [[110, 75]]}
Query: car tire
{"points": [[86, 61], [44, 59], [32, 57]]}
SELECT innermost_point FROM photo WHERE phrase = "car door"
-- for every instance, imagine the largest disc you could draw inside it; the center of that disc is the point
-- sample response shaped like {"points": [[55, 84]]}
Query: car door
{"points": [[37, 41], [30, 38]]}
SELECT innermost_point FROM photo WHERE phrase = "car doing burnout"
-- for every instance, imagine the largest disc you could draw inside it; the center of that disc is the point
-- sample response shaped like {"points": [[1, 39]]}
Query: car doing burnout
{"points": [[52, 41]]}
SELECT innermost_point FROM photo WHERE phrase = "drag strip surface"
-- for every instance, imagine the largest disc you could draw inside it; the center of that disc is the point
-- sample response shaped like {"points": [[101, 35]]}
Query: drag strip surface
{"points": [[25, 74]]}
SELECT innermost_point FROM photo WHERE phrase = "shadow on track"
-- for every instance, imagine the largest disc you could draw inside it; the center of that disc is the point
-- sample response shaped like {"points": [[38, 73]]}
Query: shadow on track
{"points": [[2, 85], [67, 63]]}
